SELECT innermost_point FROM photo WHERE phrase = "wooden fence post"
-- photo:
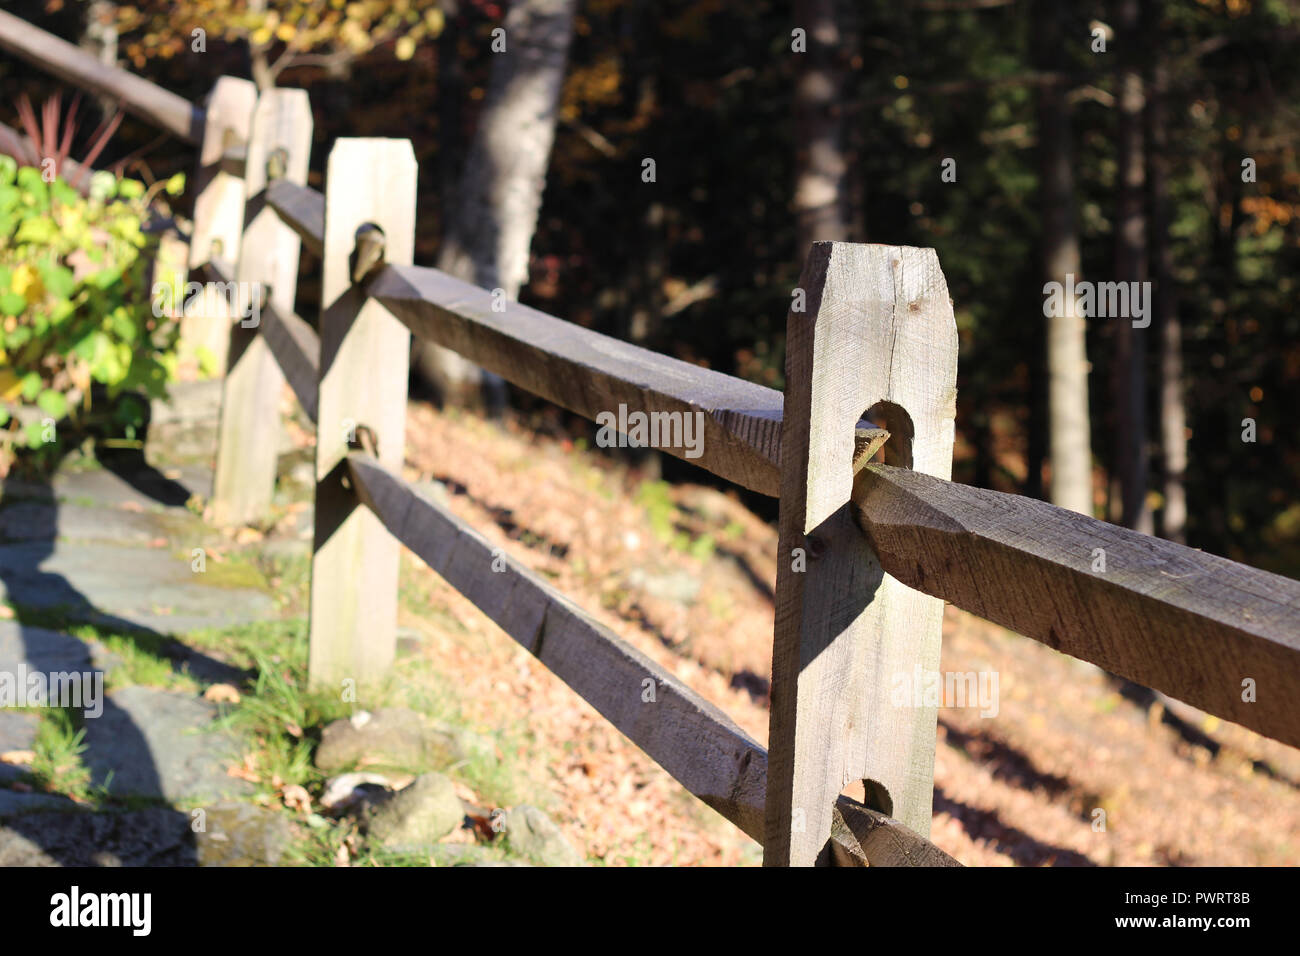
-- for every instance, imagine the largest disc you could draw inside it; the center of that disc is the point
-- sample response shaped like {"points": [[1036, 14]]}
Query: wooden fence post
{"points": [[363, 377], [268, 269], [218, 213], [877, 326]]}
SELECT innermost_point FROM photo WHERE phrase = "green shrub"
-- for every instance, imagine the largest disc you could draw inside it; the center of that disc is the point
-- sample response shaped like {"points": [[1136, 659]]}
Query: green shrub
{"points": [[76, 315]]}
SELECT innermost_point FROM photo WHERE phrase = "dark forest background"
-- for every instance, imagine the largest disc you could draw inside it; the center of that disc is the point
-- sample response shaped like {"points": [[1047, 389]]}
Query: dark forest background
{"points": [[1134, 156]]}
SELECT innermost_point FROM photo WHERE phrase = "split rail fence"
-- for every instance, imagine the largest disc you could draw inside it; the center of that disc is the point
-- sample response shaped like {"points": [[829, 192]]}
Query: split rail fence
{"points": [[869, 551]]}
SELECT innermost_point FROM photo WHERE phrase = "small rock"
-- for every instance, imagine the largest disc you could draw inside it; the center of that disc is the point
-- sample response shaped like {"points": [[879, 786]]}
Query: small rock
{"points": [[396, 737], [153, 837], [418, 816], [349, 789], [533, 834], [240, 834]]}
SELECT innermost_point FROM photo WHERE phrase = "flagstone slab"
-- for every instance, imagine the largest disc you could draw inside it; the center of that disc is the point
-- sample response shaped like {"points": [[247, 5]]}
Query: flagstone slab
{"points": [[155, 588], [159, 743], [46, 521]]}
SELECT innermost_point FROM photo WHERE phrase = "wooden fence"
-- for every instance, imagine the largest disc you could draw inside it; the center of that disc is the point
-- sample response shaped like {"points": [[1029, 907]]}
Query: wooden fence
{"points": [[868, 551]]}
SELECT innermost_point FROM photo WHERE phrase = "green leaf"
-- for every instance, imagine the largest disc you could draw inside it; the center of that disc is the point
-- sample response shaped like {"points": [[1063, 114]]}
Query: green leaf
{"points": [[38, 230], [130, 189], [59, 281], [104, 278], [8, 169], [31, 385], [122, 325], [35, 434], [61, 311], [33, 187], [176, 185], [54, 404], [11, 303], [64, 194]]}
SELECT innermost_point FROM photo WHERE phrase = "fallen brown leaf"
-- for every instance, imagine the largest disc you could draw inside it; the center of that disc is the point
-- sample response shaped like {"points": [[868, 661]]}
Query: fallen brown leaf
{"points": [[246, 771], [222, 694], [297, 798]]}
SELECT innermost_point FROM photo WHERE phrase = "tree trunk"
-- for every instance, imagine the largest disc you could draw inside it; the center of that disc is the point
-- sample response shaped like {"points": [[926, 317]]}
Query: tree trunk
{"points": [[1173, 411], [821, 169], [99, 38], [1130, 267], [489, 231], [1067, 358], [258, 64]]}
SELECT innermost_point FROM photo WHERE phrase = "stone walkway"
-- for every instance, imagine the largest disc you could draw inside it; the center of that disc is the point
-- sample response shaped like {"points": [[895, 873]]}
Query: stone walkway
{"points": [[112, 546]]}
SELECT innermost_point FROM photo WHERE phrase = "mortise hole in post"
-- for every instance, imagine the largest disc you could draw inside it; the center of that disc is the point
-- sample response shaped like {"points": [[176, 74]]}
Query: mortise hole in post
{"points": [[895, 420], [368, 252], [871, 794]]}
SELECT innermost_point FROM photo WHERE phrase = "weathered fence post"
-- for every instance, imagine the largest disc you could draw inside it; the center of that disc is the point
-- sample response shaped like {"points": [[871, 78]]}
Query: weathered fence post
{"points": [[877, 327], [267, 269], [363, 375], [218, 213]]}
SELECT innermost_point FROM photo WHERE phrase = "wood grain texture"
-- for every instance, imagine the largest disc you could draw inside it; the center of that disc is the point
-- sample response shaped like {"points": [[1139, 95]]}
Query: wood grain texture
{"points": [[684, 733], [302, 209], [293, 342], [689, 737], [589, 373], [1169, 617], [267, 270], [864, 837], [878, 327], [363, 375], [296, 348], [74, 65], [218, 215]]}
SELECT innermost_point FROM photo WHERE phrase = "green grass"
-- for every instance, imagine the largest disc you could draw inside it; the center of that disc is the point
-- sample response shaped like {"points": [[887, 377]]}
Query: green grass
{"points": [[58, 767], [239, 570], [140, 654], [662, 517], [279, 721]]}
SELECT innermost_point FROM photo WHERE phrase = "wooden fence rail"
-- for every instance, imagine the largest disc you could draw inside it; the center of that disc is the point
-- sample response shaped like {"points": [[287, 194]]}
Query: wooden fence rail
{"points": [[868, 551], [73, 65]]}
